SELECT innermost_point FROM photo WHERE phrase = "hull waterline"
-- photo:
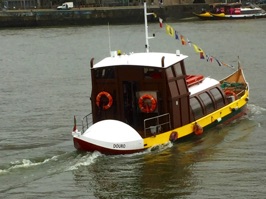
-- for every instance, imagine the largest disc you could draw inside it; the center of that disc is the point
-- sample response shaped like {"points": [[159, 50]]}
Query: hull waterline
{"points": [[82, 145]]}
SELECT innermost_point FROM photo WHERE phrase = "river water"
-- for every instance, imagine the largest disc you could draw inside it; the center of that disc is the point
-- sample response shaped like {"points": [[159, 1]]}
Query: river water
{"points": [[45, 81]]}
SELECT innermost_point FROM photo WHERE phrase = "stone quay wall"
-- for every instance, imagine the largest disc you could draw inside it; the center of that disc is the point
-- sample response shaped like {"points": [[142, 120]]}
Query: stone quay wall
{"points": [[97, 15], [94, 15]]}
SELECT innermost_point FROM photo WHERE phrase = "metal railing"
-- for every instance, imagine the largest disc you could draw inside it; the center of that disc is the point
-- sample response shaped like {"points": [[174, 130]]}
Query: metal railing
{"points": [[86, 122], [157, 124]]}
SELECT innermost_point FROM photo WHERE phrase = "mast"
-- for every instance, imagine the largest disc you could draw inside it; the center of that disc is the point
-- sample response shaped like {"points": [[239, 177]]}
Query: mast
{"points": [[147, 46]]}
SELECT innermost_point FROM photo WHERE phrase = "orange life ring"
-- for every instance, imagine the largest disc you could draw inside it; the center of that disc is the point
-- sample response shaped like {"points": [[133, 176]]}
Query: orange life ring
{"points": [[108, 96], [230, 93], [198, 130], [144, 107]]}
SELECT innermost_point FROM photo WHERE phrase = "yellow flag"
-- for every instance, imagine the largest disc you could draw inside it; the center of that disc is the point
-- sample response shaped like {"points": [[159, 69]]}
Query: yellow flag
{"points": [[197, 49], [169, 30]]}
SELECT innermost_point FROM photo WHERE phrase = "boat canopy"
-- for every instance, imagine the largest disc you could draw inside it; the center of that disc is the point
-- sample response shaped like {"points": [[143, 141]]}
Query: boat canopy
{"points": [[150, 59]]}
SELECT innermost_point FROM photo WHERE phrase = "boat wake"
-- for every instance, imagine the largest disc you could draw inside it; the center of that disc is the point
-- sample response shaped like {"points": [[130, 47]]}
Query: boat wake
{"points": [[25, 163], [84, 160], [255, 110], [160, 148], [71, 161]]}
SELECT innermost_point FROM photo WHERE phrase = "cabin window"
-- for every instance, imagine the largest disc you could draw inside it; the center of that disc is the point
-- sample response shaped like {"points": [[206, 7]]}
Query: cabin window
{"points": [[217, 95], [207, 101], [105, 73], [152, 73], [196, 108]]}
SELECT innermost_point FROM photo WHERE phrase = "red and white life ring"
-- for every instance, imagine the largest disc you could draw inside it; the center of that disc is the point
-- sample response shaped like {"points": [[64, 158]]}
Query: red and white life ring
{"points": [[108, 96], [144, 106]]}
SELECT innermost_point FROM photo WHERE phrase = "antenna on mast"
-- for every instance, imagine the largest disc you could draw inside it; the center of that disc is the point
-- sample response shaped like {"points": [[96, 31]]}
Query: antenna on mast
{"points": [[147, 46], [109, 37]]}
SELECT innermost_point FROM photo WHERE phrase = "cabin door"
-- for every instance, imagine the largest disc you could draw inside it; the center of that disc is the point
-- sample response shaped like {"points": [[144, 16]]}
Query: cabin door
{"points": [[129, 102]]}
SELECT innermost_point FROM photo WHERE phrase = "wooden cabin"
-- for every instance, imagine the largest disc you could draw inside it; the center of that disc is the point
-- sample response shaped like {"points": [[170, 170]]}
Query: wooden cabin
{"points": [[152, 99]]}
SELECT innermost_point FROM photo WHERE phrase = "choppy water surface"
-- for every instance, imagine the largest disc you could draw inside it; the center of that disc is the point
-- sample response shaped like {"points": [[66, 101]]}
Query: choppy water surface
{"points": [[45, 81]]}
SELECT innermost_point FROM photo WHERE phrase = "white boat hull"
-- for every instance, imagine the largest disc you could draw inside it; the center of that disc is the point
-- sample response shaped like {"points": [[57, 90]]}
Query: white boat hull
{"points": [[109, 137]]}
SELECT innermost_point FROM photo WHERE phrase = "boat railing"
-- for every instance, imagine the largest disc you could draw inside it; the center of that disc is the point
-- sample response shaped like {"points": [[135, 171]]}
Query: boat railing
{"points": [[86, 122], [241, 93], [157, 124]]}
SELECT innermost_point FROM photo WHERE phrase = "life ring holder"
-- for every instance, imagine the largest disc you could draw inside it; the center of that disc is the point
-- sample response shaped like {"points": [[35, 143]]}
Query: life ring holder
{"points": [[108, 96], [230, 93], [144, 107]]}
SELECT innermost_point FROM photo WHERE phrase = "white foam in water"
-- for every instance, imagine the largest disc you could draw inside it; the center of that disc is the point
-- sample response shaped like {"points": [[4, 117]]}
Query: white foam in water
{"points": [[256, 110], [3, 171], [25, 164], [161, 147], [85, 160]]}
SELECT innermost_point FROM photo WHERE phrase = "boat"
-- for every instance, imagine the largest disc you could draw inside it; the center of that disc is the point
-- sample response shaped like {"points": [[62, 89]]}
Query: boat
{"points": [[215, 8], [205, 15], [232, 11], [238, 11], [140, 101]]}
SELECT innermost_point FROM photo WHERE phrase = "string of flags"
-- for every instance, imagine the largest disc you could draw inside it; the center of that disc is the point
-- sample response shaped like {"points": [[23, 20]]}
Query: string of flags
{"points": [[186, 42]]}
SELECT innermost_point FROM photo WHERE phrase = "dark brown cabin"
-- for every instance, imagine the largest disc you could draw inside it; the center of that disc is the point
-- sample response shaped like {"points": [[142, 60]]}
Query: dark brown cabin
{"points": [[168, 85]]}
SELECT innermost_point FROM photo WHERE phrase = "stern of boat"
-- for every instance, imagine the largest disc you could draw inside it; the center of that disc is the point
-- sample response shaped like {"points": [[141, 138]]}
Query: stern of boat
{"points": [[109, 137]]}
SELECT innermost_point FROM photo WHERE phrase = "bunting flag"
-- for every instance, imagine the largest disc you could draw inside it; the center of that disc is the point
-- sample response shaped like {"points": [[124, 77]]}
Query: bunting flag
{"points": [[197, 49], [202, 55], [183, 41], [161, 22], [176, 35], [228, 65], [173, 33], [189, 42], [218, 62], [169, 30], [209, 58], [75, 124]]}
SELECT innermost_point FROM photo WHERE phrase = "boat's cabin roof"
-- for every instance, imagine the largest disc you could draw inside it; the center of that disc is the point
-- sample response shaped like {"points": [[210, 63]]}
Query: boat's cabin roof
{"points": [[206, 84], [150, 59]]}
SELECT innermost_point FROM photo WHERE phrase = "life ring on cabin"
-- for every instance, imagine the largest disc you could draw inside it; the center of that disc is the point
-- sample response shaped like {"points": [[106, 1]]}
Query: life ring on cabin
{"points": [[144, 107], [230, 93], [108, 96], [198, 130]]}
